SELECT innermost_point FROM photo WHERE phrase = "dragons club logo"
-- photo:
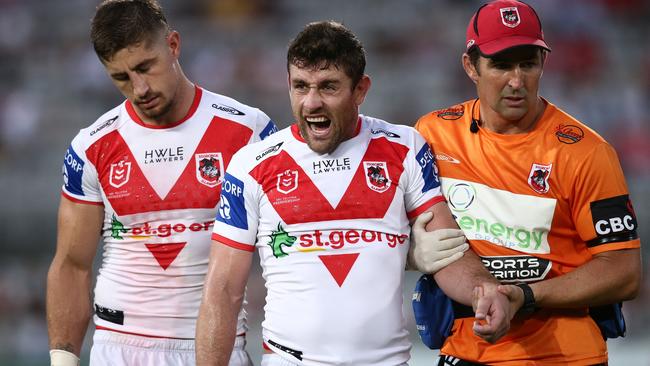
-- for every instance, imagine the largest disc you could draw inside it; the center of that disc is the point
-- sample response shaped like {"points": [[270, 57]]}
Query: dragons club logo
{"points": [[280, 238], [377, 177], [510, 17], [209, 169], [538, 177]]}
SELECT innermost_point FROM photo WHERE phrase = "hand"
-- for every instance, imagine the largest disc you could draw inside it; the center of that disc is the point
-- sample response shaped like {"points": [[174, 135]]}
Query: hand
{"points": [[431, 251], [493, 311], [515, 294]]}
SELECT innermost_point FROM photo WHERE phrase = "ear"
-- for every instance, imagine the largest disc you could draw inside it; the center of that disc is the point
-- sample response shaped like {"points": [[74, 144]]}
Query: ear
{"points": [[470, 70], [361, 89], [174, 43]]}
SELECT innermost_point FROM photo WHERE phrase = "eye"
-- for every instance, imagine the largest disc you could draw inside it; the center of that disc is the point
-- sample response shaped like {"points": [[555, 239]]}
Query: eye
{"points": [[120, 77], [329, 88], [299, 87]]}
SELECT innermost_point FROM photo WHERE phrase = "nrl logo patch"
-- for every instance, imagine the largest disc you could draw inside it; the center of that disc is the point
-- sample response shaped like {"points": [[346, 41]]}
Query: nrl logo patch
{"points": [[209, 169], [538, 177], [510, 17], [287, 181], [377, 177], [119, 174]]}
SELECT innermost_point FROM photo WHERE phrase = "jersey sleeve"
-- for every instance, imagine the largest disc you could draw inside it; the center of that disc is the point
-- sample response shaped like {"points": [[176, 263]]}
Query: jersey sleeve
{"points": [[238, 214], [422, 188], [80, 180], [264, 127], [602, 209]]}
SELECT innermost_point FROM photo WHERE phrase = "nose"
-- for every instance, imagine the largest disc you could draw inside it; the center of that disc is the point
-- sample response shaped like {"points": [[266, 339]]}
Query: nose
{"points": [[313, 100], [140, 86], [516, 79]]}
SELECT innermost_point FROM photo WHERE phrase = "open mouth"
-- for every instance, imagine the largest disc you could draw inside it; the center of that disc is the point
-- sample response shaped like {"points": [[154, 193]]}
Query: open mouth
{"points": [[319, 126]]}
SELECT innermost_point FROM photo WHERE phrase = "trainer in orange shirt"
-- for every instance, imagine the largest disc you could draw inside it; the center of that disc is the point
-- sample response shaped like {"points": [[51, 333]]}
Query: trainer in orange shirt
{"points": [[541, 198]]}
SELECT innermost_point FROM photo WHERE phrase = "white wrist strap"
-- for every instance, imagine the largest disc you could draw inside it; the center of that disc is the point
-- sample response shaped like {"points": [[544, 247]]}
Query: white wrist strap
{"points": [[59, 357]]}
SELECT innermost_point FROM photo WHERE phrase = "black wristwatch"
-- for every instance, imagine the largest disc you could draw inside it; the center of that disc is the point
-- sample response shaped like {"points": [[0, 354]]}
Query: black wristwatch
{"points": [[528, 306]]}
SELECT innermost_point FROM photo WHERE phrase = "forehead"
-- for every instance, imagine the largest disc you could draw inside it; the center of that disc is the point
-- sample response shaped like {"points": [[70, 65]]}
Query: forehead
{"points": [[517, 54], [317, 74], [130, 56]]}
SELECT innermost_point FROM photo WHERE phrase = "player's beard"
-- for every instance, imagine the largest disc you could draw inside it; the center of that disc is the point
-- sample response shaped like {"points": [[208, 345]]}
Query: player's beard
{"points": [[160, 111]]}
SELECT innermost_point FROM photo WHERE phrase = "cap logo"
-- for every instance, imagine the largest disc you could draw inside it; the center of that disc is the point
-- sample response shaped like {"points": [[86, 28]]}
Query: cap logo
{"points": [[470, 43], [510, 17]]}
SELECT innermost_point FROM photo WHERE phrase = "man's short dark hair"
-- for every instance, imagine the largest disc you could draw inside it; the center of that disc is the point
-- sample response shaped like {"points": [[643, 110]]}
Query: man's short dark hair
{"points": [[326, 43], [475, 53], [118, 24]]}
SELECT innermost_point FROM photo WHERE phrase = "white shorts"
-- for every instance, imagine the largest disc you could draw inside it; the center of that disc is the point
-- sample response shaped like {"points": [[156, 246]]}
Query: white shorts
{"points": [[273, 359], [118, 349]]}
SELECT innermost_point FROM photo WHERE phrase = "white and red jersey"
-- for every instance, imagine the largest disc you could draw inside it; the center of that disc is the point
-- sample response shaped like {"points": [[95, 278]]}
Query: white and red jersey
{"points": [[332, 233], [159, 187]]}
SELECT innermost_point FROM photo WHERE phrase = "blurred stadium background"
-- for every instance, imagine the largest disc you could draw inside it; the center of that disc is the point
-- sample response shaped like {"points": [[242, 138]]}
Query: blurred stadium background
{"points": [[52, 85]]}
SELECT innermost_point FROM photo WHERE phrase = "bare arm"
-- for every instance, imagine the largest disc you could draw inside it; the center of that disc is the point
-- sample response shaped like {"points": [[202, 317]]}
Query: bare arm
{"points": [[458, 279], [69, 277], [467, 281], [223, 293], [608, 278]]}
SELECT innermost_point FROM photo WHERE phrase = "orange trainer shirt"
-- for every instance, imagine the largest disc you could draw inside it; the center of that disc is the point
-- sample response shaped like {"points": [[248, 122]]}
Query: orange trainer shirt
{"points": [[533, 206]]}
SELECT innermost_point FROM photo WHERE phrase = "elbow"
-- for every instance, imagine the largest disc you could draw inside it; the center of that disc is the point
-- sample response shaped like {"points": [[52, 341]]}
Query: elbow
{"points": [[632, 287]]}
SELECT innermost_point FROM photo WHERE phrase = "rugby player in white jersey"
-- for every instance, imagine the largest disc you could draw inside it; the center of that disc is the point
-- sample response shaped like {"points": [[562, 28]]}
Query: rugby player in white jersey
{"points": [[327, 203], [146, 177]]}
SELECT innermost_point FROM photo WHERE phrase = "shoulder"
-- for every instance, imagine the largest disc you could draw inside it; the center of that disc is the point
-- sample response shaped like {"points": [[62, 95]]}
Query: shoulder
{"points": [[229, 108], [378, 128], [448, 116], [252, 154], [105, 124], [568, 132]]}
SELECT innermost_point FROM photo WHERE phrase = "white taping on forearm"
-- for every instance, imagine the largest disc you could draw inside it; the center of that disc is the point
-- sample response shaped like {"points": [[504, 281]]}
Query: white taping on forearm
{"points": [[59, 357]]}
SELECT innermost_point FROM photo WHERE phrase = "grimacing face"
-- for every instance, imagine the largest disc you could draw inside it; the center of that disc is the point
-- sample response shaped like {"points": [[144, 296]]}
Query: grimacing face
{"points": [[325, 105], [508, 83], [149, 76]]}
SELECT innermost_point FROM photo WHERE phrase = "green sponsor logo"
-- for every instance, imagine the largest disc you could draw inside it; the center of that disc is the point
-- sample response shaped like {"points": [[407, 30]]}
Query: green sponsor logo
{"points": [[278, 239], [116, 228], [501, 234]]}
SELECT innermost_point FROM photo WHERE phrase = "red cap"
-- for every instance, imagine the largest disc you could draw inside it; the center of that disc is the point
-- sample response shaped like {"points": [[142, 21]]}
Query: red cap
{"points": [[501, 24]]}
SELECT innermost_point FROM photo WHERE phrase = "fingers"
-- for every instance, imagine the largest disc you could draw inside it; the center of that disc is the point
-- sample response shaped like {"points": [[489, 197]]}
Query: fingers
{"points": [[449, 234], [421, 221], [482, 303]]}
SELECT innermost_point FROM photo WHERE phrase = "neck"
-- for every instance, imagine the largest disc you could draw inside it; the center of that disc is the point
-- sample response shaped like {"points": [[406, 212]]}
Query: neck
{"points": [[494, 122]]}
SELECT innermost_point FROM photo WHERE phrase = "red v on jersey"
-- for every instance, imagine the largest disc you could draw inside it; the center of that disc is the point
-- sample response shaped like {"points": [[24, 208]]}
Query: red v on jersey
{"points": [[359, 200], [133, 193], [165, 253], [339, 265]]}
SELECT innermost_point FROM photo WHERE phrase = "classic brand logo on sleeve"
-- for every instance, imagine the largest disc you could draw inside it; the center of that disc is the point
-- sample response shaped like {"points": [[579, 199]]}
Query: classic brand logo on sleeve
{"points": [[270, 129], [429, 169], [72, 168], [228, 109], [614, 220], [232, 209]]}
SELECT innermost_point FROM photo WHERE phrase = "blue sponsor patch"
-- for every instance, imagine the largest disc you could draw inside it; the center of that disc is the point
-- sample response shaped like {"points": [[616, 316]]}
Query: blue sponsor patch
{"points": [[429, 170], [73, 169], [232, 209], [270, 129]]}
